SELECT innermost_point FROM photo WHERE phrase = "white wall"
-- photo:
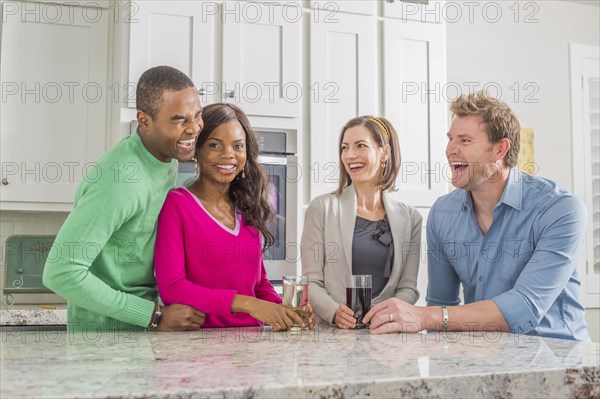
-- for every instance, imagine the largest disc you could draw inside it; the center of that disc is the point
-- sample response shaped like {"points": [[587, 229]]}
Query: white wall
{"points": [[510, 51]]}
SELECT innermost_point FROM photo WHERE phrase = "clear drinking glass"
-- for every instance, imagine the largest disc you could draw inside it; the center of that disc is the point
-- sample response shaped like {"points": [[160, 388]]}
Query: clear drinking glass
{"points": [[295, 295], [358, 297]]}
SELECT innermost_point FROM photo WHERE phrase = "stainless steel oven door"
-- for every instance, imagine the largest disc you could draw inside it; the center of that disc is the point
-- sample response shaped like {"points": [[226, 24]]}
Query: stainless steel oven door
{"points": [[283, 195]]}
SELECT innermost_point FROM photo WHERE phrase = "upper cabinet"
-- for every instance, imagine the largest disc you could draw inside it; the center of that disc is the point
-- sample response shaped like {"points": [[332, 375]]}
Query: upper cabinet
{"points": [[176, 33], [415, 101], [397, 71], [244, 53], [343, 84], [54, 101], [430, 11], [262, 59], [328, 9]]}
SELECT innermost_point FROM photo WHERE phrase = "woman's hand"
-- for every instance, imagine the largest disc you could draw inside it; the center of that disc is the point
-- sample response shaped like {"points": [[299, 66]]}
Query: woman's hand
{"points": [[309, 315], [278, 316], [344, 317]]}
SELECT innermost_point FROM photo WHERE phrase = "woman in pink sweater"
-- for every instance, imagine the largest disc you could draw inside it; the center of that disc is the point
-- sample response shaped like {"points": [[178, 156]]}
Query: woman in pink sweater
{"points": [[208, 251]]}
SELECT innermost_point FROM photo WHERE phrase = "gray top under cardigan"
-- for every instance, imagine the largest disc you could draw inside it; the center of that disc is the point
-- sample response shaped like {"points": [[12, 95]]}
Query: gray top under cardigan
{"points": [[373, 251], [326, 250]]}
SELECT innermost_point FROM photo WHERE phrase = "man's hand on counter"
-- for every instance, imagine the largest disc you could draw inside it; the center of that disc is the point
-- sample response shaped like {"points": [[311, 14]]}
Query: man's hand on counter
{"points": [[178, 317]]}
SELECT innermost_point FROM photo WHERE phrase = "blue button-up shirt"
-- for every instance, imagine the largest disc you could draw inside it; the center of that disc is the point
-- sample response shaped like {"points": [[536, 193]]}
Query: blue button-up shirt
{"points": [[526, 263]]}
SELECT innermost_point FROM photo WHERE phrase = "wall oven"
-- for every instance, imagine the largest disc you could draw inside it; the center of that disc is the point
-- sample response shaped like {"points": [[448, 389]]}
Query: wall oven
{"points": [[278, 156]]}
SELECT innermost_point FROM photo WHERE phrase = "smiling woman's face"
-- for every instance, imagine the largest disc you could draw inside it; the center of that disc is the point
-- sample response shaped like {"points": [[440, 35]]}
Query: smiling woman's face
{"points": [[223, 155], [361, 156]]}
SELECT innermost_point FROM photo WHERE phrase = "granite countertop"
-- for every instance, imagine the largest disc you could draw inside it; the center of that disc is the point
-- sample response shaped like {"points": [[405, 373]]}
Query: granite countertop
{"points": [[324, 363], [33, 315]]}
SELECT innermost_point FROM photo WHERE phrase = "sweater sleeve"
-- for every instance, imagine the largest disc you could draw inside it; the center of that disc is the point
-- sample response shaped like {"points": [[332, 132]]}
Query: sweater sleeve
{"points": [[102, 207], [170, 264], [406, 289], [312, 254], [264, 289]]}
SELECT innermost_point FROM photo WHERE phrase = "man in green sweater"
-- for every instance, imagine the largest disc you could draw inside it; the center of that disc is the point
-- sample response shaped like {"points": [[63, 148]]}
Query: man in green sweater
{"points": [[106, 245]]}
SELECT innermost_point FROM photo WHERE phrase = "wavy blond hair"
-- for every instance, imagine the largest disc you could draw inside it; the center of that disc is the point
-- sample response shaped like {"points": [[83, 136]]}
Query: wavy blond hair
{"points": [[499, 121]]}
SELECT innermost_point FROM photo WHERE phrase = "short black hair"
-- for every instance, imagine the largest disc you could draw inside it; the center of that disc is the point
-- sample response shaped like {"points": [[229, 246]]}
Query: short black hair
{"points": [[154, 82]]}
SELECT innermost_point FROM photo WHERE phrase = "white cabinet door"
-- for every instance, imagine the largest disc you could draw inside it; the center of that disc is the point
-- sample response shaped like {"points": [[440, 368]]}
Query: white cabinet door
{"points": [[54, 102], [328, 10], [175, 33], [414, 81], [433, 11], [342, 86], [261, 60]]}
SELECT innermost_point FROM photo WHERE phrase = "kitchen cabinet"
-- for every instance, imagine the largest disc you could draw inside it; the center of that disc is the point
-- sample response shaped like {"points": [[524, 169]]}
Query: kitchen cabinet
{"points": [[244, 53], [432, 11], [54, 106], [328, 10], [415, 99], [176, 33], [261, 60], [343, 85], [411, 92]]}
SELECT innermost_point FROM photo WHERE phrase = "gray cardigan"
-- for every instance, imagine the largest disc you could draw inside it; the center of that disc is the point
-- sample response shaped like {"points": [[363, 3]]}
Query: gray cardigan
{"points": [[326, 250]]}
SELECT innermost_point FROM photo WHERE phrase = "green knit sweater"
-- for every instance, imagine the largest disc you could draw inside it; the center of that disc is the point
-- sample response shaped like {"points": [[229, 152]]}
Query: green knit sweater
{"points": [[104, 260]]}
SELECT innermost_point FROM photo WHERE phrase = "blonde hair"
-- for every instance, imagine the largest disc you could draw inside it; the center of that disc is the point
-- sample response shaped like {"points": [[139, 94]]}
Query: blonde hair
{"points": [[499, 121]]}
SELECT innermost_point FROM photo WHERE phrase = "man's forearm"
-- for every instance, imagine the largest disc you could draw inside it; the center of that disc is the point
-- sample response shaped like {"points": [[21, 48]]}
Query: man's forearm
{"points": [[477, 316]]}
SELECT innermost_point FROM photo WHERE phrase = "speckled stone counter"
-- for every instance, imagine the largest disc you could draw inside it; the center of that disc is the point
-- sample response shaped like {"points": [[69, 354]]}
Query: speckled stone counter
{"points": [[325, 363], [38, 316]]}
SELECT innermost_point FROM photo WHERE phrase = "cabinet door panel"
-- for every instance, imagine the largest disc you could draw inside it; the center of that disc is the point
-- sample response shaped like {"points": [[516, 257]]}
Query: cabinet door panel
{"points": [[342, 86], [261, 62], [328, 9], [414, 80], [174, 33], [54, 111], [432, 11]]}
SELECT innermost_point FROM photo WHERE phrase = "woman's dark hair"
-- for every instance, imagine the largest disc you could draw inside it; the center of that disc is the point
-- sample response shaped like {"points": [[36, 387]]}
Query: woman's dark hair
{"points": [[249, 194], [383, 133]]}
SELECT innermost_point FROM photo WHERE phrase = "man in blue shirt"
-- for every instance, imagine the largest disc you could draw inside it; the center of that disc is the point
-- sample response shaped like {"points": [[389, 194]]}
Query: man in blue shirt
{"points": [[509, 238]]}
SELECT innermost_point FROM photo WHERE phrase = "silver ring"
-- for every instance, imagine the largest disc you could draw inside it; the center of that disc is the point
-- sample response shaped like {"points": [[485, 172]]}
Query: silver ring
{"points": [[391, 318]]}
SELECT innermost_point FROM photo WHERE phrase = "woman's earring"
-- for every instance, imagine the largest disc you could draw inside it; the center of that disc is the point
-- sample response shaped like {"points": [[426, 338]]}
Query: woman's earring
{"points": [[195, 166], [244, 173], [383, 166]]}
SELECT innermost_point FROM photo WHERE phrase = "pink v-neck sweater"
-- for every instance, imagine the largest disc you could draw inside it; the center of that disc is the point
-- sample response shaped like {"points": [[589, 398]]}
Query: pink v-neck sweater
{"points": [[202, 263]]}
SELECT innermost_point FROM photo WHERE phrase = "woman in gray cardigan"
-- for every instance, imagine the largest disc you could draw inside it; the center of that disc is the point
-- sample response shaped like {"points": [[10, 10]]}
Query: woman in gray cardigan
{"points": [[360, 228]]}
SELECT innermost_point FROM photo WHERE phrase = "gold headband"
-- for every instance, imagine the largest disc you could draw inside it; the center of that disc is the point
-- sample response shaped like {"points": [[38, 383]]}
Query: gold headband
{"points": [[383, 126]]}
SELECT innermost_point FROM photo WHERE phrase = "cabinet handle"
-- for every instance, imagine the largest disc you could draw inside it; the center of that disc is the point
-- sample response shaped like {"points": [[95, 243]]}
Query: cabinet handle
{"points": [[202, 91], [5, 181], [230, 94]]}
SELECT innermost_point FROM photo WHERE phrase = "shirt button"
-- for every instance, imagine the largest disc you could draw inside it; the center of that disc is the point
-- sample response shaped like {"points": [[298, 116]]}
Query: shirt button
{"points": [[480, 278]]}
